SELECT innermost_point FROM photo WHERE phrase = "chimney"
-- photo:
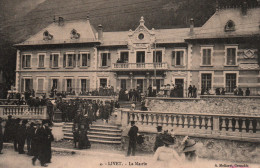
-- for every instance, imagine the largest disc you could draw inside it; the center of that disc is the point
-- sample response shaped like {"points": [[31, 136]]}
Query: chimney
{"points": [[100, 32], [217, 6], [191, 26], [61, 21], [244, 8]]}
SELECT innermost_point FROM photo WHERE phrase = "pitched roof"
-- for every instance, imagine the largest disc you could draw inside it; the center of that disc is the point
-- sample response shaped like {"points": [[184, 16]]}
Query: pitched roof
{"points": [[62, 34], [245, 25]]}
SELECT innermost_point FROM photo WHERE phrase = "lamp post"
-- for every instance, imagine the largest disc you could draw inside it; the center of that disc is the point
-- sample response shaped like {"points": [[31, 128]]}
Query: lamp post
{"points": [[155, 59]]}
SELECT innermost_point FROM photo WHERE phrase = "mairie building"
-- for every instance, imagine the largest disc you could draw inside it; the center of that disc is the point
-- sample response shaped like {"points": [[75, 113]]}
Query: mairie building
{"points": [[73, 56]]}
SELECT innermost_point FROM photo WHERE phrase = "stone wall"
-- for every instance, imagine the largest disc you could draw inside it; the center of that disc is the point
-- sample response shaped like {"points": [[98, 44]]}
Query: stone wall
{"points": [[217, 149], [208, 104]]}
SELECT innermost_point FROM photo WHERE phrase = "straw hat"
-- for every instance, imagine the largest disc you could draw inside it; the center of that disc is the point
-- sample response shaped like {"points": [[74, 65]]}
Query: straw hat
{"points": [[190, 146]]}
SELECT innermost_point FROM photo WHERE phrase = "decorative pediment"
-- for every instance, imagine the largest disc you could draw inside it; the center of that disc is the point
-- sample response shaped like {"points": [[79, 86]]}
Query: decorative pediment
{"points": [[47, 36], [74, 34], [142, 37]]}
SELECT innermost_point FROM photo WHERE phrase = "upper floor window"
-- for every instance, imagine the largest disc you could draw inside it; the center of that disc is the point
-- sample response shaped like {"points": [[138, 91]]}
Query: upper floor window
{"points": [[140, 57], [47, 36], [84, 59], [206, 55], [231, 55], [26, 61], [69, 60], [41, 60], [105, 59], [123, 57], [54, 60], [178, 58], [157, 56]]}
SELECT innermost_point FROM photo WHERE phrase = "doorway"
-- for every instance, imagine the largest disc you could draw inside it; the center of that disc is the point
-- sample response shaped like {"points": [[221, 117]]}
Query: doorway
{"points": [[179, 83], [140, 85]]}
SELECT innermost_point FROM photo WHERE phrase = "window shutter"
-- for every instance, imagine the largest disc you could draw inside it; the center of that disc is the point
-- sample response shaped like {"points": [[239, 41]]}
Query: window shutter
{"points": [[108, 59], [63, 84], [79, 60], [64, 60], [173, 58], [22, 85], [181, 58], [74, 60], [88, 84], [88, 63], [50, 60], [23, 60]]}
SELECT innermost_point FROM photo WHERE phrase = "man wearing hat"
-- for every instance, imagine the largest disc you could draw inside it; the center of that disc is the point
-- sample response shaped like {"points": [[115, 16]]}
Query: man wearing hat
{"points": [[30, 133], [8, 129], [158, 139], [36, 142], [132, 139], [1, 136], [21, 136], [15, 133]]}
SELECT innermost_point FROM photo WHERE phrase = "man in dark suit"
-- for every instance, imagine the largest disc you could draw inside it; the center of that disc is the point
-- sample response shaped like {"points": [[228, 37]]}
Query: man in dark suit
{"points": [[50, 138], [21, 136], [132, 139], [15, 131]]}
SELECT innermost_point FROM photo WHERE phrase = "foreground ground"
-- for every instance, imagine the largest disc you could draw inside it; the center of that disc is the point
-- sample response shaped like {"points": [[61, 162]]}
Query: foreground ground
{"points": [[96, 158]]}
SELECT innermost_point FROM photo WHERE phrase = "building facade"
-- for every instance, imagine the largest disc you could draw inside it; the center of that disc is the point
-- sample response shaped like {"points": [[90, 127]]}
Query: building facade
{"points": [[74, 57]]}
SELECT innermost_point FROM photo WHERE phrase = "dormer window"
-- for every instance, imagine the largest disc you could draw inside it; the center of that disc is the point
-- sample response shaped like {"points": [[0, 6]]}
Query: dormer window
{"points": [[230, 26], [47, 36], [74, 34]]}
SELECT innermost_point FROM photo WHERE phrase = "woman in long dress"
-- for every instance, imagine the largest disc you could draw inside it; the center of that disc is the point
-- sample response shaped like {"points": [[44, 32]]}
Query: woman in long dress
{"points": [[165, 156]]}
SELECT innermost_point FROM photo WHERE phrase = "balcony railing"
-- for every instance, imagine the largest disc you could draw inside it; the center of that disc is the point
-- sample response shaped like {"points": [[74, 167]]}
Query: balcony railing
{"points": [[138, 66]]}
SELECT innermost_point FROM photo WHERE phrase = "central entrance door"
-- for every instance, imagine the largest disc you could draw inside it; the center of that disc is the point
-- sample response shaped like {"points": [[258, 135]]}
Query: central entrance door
{"points": [[179, 84], [140, 84]]}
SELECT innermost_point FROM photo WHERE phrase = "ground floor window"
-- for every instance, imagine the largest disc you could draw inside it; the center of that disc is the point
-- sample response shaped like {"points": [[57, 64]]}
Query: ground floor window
{"points": [[83, 85], [69, 85], [28, 84], [103, 82], [55, 83], [231, 80], [206, 81]]}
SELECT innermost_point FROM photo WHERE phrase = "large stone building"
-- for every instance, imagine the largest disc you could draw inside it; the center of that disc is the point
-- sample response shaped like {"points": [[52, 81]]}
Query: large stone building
{"points": [[72, 56]]}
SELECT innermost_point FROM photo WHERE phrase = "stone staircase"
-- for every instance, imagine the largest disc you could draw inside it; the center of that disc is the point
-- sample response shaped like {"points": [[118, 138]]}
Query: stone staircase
{"points": [[99, 133]]}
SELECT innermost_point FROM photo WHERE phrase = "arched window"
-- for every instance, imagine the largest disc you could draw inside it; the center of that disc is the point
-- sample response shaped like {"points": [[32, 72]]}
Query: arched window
{"points": [[230, 26]]}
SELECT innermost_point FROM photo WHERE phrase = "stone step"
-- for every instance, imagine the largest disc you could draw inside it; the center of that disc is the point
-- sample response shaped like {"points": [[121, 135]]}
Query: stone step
{"points": [[104, 130], [104, 141], [68, 134], [68, 138], [104, 133], [104, 126], [104, 137], [66, 130]]}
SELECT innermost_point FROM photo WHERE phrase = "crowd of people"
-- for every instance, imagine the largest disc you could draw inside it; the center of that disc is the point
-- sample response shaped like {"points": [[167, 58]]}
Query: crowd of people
{"points": [[221, 91], [37, 135], [94, 109]]}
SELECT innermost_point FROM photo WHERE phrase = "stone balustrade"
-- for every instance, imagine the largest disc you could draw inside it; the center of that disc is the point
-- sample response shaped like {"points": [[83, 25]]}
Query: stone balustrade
{"points": [[23, 112], [220, 126]]}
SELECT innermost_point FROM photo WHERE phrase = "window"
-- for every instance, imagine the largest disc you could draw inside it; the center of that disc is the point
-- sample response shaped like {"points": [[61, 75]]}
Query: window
{"points": [[103, 82], [157, 57], [40, 85], [69, 60], [206, 81], [54, 60], [26, 61], [28, 84], [55, 83], [85, 59], [230, 26], [41, 60], [231, 54], [85, 85], [141, 36], [69, 85], [124, 57], [105, 59], [231, 80], [140, 57], [178, 58], [123, 83], [206, 55]]}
